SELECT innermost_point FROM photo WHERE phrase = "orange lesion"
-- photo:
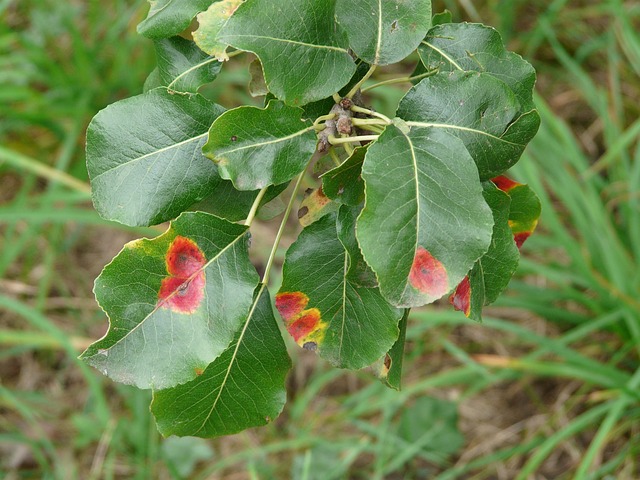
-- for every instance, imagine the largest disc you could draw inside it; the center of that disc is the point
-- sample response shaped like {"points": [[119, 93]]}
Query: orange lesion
{"points": [[183, 289], [461, 297], [428, 275], [505, 183], [304, 325]]}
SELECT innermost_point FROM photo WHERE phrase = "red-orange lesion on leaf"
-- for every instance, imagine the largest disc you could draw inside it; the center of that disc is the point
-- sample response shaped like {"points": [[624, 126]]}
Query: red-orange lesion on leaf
{"points": [[505, 183], [183, 290], [303, 325], [521, 237], [461, 297], [428, 274]]}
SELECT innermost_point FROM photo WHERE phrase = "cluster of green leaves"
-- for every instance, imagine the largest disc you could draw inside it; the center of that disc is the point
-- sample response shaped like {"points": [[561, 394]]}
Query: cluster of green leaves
{"points": [[412, 213]]}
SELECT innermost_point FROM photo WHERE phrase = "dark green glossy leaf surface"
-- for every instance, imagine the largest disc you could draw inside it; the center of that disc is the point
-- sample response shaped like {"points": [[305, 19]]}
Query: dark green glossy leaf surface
{"points": [[479, 109], [234, 205], [384, 31], [303, 52], [255, 147], [359, 272], [425, 221], [344, 184], [475, 47], [442, 17], [183, 66], [168, 301], [167, 18], [242, 388], [324, 310], [144, 158]]}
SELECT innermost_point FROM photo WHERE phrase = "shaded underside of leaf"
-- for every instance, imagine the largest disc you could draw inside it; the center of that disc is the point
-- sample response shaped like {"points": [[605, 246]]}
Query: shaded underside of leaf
{"points": [[242, 388], [168, 301], [303, 51], [144, 156], [425, 222]]}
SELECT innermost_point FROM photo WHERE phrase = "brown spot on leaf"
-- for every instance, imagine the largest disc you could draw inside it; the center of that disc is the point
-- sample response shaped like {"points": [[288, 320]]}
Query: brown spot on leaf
{"points": [[304, 325], [394, 26], [199, 371], [234, 138], [520, 238], [428, 274], [303, 211], [311, 346]]}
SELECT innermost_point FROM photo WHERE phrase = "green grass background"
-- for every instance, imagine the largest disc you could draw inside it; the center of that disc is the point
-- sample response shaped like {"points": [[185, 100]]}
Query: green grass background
{"points": [[548, 387]]}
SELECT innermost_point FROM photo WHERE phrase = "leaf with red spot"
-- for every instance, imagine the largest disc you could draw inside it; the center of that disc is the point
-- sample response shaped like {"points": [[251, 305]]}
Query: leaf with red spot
{"points": [[242, 388], [491, 273], [525, 208], [389, 369], [324, 309], [425, 222], [168, 302]]}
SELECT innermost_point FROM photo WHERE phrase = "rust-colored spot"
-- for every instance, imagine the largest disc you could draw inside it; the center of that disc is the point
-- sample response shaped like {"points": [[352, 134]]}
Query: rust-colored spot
{"points": [[387, 361], [521, 237], [461, 298], [428, 274], [234, 138], [291, 304], [305, 326], [504, 183], [183, 290], [199, 371]]}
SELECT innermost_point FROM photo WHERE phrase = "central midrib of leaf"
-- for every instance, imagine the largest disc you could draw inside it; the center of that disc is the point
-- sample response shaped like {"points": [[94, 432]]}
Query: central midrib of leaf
{"points": [[467, 129], [286, 40], [344, 302], [175, 292], [269, 142], [379, 39], [150, 154], [449, 59], [417, 185], [233, 358]]}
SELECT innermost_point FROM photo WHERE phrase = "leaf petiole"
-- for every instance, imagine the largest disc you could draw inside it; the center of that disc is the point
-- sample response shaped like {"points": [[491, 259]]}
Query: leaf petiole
{"points": [[254, 207], [356, 108], [357, 86], [283, 224], [392, 81], [362, 138]]}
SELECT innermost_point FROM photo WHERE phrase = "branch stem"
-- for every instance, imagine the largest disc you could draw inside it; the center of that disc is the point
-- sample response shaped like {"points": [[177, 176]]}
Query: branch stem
{"points": [[283, 224], [334, 157], [255, 206]]}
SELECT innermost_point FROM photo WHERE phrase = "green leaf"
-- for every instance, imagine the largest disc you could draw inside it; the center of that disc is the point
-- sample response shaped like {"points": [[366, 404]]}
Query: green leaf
{"points": [[167, 18], [390, 371], [491, 273], [443, 17], [525, 208], [324, 310], [182, 66], [359, 272], [257, 85], [384, 31], [432, 423], [234, 205], [303, 52], [476, 47], [344, 183], [144, 158], [479, 109], [168, 301], [210, 23], [242, 388], [255, 147], [425, 221]]}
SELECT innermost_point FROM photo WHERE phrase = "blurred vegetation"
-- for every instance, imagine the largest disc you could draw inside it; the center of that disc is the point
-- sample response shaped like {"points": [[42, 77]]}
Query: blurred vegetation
{"points": [[547, 387]]}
